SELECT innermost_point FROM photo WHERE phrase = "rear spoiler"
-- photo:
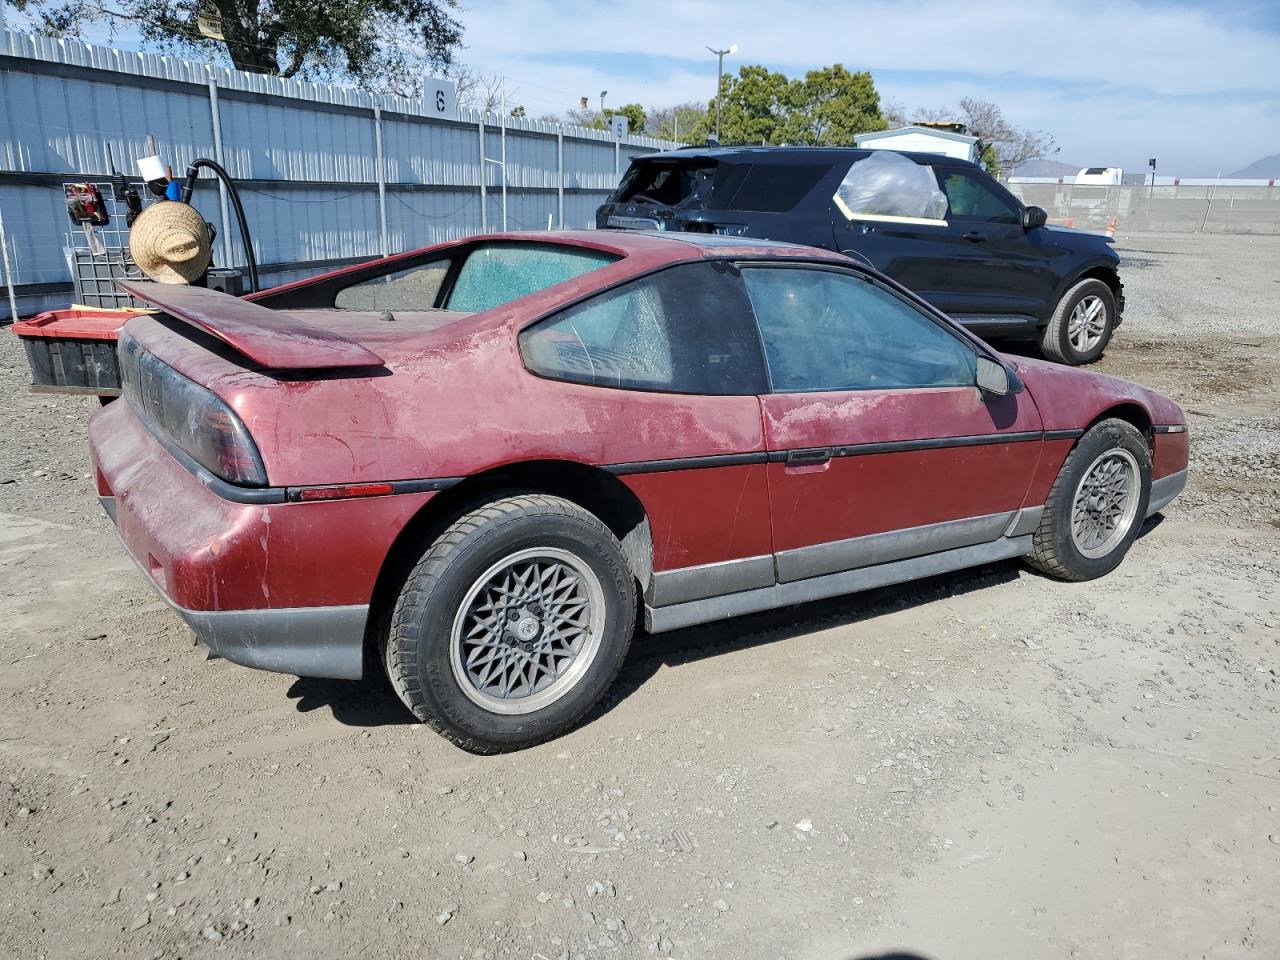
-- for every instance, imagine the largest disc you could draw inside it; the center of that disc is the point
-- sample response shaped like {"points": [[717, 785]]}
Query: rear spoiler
{"points": [[274, 339]]}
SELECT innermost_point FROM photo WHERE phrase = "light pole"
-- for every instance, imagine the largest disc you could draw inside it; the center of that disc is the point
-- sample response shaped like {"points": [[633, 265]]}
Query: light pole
{"points": [[733, 48], [603, 94]]}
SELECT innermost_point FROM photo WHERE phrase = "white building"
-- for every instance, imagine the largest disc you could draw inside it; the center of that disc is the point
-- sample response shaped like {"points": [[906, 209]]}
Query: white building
{"points": [[921, 140]]}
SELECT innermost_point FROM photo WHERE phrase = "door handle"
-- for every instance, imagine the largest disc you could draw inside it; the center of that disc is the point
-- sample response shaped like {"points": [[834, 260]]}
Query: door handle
{"points": [[808, 458], [973, 236]]}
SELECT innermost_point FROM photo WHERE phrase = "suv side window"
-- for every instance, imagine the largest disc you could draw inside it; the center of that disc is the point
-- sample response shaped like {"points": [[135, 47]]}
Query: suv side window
{"points": [[833, 330], [970, 197], [686, 329]]}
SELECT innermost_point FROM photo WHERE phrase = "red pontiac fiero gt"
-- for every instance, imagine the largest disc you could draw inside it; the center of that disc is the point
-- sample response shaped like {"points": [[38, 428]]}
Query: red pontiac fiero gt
{"points": [[476, 461]]}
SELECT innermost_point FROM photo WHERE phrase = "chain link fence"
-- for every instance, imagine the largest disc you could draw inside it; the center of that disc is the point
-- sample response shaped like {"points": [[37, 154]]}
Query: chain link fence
{"points": [[1183, 206]]}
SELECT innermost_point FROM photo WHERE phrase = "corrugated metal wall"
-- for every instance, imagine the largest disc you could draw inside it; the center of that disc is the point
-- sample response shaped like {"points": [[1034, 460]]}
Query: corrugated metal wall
{"points": [[305, 151]]}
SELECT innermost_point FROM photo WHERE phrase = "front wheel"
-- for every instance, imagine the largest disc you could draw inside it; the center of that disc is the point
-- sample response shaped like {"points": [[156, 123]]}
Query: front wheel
{"points": [[513, 624], [1096, 505], [1082, 324]]}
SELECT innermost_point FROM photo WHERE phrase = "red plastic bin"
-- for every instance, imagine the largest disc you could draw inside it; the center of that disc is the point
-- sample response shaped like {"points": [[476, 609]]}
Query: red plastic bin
{"points": [[74, 350]]}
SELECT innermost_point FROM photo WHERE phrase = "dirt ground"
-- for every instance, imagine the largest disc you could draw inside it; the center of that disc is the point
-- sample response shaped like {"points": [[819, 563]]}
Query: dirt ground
{"points": [[985, 765]]}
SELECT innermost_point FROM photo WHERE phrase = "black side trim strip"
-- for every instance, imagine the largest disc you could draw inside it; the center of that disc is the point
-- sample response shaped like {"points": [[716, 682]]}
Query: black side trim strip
{"points": [[928, 443], [1063, 434], [854, 450], [685, 463], [1169, 428], [423, 486]]}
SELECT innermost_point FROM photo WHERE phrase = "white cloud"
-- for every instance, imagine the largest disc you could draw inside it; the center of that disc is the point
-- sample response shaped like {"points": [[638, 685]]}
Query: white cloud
{"points": [[1125, 80], [1170, 50]]}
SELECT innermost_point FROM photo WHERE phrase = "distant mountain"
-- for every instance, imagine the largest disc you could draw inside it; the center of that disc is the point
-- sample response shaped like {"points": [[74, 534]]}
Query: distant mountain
{"points": [[1263, 169], [1045, 168]]}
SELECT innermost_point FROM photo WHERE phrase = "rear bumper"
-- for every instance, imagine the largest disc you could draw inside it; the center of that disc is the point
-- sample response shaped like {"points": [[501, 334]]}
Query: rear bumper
{"points": [[303, 641], [277, 586]]}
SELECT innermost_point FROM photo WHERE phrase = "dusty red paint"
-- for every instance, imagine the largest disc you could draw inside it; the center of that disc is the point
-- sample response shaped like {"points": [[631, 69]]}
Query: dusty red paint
{"points": [[454, 400], [274, 339], [206, 553], [705, 516], [1052, 455], [1069, 397], [1170, 454], [859, 495]]}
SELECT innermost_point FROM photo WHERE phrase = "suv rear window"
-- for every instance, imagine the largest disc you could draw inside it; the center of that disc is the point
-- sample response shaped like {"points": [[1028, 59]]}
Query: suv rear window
{"points": [[710, 185], [664, 183], [771, 187]]}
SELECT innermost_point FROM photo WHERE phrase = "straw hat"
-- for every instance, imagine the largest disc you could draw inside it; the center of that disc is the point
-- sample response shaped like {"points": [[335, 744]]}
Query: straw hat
{"points": [[170, 242]]}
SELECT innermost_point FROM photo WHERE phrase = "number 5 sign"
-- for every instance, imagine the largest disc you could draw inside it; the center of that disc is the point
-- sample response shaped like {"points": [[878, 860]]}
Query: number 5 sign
{"points": [[441, 98]]}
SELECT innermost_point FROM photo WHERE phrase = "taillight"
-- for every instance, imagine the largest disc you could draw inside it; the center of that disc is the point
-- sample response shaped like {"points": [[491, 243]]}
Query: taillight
{"points": [[197, 421]]}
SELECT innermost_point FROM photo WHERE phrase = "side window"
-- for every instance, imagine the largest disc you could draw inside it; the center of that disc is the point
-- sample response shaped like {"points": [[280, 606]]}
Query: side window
{"points": [[888, 186], [498, 273], [413, 289], [827, 330], [969, 197], [687, 329]]}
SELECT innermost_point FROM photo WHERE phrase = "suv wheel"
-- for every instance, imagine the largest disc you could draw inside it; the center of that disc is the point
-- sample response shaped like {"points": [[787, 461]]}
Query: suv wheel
{"points": [[513, 624], [1082, 324]]}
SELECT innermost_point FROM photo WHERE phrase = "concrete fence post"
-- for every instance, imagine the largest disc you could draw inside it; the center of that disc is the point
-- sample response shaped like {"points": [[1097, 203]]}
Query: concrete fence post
{"points": [[382, 181]]}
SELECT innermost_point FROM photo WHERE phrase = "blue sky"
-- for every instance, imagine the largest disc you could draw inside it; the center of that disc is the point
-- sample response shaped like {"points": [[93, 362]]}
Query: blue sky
{"points": [[1195, 84]]}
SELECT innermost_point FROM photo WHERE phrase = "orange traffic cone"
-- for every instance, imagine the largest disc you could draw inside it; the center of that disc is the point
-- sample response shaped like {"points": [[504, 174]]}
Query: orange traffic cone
{"points": [[1111, 227]]}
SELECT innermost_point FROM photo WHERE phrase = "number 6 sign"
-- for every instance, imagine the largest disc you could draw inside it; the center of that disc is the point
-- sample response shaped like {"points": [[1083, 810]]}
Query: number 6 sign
{"points": [[441, 97]]}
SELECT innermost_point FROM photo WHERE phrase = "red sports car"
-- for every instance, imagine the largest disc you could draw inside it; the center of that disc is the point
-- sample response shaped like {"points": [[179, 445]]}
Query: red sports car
{"points": [[478, 462]]}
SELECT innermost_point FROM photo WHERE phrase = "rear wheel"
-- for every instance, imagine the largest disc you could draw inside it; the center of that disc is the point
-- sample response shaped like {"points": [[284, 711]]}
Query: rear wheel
{"points": [[1096, 506], [1082, 324], [513, 624]]}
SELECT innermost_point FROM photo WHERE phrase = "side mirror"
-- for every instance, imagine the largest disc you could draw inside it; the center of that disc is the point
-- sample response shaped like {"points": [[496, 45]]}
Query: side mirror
{"points": [[1033, 217], [993, 378]]}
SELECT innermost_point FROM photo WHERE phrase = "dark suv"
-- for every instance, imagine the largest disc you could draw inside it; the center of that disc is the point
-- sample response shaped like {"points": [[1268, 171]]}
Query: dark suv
{"points": [[941, 227]]}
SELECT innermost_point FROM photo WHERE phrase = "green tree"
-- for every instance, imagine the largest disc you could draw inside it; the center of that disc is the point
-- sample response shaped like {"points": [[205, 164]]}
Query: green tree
{"points": [[753, 106], [380, 44], [830, 105], [825, 107], [991, 162], [633, 112]]}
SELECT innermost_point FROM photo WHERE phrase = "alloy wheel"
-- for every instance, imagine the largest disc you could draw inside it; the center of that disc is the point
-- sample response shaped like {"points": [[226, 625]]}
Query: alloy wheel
{"points": [[1105, 504], [1087, 324], [527, 630]]}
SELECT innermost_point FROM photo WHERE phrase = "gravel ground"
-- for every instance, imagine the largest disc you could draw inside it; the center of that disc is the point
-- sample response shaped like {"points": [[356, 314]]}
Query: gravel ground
{"points": [[984, 765]]}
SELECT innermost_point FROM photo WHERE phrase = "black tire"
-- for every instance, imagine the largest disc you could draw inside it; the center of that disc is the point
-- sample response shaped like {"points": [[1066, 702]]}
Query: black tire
{"points": [[1055, 550], [1055, 341], [417, 650]]}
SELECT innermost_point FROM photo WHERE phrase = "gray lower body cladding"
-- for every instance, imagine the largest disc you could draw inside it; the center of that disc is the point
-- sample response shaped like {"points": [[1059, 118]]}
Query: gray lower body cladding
{"points": [[303, 641], [658, 619], [1164, 490]]}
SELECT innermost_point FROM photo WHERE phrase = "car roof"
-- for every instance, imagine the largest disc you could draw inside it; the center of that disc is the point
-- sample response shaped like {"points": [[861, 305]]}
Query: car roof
{"points": [[764, 154]]}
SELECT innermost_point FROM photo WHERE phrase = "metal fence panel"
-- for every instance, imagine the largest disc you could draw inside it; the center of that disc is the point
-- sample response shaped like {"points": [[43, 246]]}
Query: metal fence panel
{"points": [[306, 151], [274, 141]]}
